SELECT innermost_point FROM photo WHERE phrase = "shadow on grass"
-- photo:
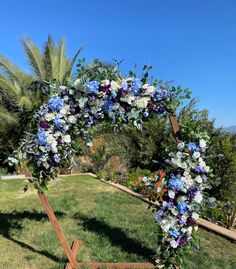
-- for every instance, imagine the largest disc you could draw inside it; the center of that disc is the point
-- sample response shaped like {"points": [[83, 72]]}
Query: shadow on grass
{"points": [[115, 235], [12, 221]]}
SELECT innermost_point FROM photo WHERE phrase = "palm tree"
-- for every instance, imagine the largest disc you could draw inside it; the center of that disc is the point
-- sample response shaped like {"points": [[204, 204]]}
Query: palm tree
{"points": [[21, 92]]}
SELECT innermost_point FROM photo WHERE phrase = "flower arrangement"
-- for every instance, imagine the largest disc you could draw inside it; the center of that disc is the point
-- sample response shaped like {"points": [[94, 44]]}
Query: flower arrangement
{"points": [[74, 109], [181, 200]]}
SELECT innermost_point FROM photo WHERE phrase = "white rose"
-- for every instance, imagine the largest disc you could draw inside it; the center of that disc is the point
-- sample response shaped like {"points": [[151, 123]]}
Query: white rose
{"points": [[72, 119], [202, 143], [114, 86], [77, 82], [105, 82], [181, 145], [198, 179], [142, 102], [149, 89], [66, 139], [173, 244], [198, 197], [49, 116], [195, 216], [196, 155], [171, 194], [207, 169]]}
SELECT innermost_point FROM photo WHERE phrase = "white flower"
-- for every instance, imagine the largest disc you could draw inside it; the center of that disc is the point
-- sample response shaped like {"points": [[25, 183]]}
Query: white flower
{"points": [[195, 216], [66, 139], [71, 92], [195, 228], [202, 143], [149, 89], [198, 179], [202, 164], [207, 169], [66, 98], [129, 99], [49, 116], [105, 82], [72, 119], [171, 194], [173, 244], [142, 102], [114, 86], [181, 145], [198, 197], [77, 83], [189, 229], [196, 155]]}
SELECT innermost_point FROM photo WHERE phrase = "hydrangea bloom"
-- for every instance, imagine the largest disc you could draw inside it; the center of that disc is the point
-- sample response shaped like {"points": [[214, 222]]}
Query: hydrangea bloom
{"points": [[55, 103]]}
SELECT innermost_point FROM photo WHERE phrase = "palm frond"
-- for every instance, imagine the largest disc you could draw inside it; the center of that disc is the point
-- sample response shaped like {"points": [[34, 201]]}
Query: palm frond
{"points": [[62, 62], [35, 57], [74, 59], [50, 59], [13, 72], [8, 120]]}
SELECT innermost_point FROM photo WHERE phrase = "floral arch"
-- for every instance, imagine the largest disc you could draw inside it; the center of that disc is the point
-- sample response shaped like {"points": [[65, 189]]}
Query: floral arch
{"points": [[73, 110]]}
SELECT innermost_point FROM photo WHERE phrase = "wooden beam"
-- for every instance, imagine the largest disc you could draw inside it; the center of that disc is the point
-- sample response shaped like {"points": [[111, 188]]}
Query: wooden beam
{"points": [[97, 265], [70, 255], [175, 127], [75, 249]]}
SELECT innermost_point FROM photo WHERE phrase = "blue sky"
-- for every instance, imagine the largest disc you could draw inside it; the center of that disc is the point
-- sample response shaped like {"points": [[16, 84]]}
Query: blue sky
{"points": [[190, 42]]}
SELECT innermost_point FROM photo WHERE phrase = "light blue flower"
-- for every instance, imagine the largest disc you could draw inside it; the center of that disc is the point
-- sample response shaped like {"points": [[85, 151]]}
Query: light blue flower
{"points": [[145, 114], [182, 207], [55, 103], [57, 123], [176, 183], [92, 87], [113, 94], [192, 147], [174, 233], [136, 85], [42, 137]]}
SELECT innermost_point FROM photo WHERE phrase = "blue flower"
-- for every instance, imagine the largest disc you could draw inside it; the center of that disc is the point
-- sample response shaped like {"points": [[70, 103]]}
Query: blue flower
{"points": [[182, 207], [57, 123], [108, 105], [161, 94], [42, 137], [174, 233], [136, 85], [92, 87], [55, 103], [192, 147], [176, 183]]}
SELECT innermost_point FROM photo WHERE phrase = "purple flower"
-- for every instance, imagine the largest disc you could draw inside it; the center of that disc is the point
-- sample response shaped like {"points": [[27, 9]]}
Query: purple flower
{"points": [[190, 221], [192, 192], [199, 169], [152, 107], [55, 103], [44, 124], [181, 241]]}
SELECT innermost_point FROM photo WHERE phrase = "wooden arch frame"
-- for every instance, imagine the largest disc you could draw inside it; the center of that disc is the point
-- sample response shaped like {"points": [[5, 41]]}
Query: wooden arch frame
{"points": [[71, 252]]}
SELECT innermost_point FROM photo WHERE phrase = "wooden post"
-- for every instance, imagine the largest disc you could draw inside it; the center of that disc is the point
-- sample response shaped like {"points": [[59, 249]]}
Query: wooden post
{"points": [[71, 255], [175, 127]]}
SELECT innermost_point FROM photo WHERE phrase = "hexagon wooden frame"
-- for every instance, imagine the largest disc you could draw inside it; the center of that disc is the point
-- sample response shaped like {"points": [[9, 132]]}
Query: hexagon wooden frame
{"points": [[71, 252]]}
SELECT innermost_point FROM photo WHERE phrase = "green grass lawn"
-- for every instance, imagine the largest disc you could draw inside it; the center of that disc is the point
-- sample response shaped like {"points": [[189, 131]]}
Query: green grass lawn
{"points": [[111, 226]]}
